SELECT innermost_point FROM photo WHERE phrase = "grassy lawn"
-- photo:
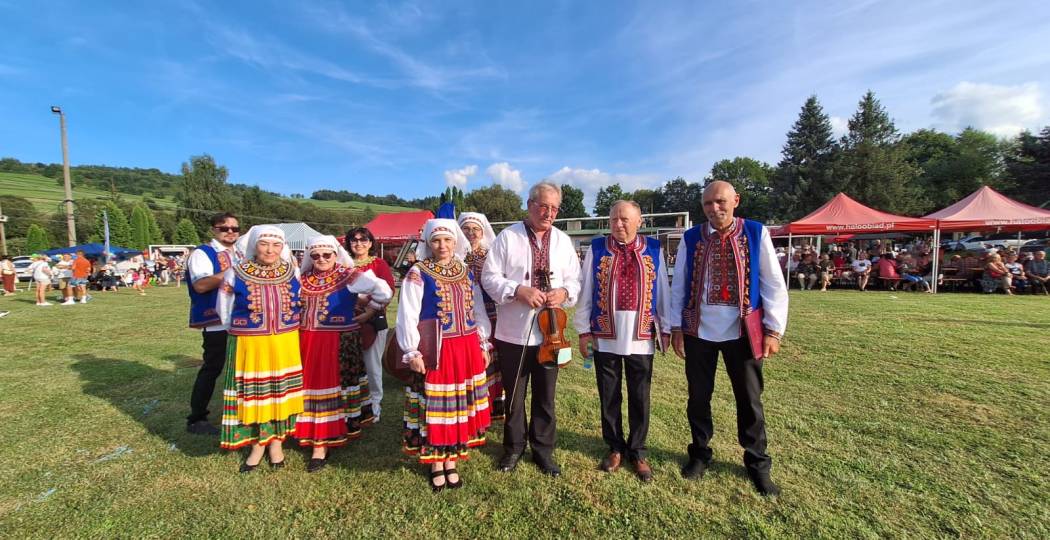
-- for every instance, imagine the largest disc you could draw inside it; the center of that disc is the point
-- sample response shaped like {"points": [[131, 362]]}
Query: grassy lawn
{"points": [[46, 195], [889, 414]]}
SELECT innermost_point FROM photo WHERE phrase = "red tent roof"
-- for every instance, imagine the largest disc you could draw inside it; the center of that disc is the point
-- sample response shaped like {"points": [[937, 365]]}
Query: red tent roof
{"points": [[842, 215], [399, 226], [986, 208]]}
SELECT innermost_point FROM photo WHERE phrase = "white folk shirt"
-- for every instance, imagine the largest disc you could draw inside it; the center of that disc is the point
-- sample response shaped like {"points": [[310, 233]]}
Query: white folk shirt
{"points": [[722, 323], [508, 262], [624, 321], [200, 266]]}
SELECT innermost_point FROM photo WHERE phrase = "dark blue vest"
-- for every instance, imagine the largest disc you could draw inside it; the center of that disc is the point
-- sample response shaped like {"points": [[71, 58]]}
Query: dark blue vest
{"points": [[449, 298], [329, 306], [203, 312], [604, 269], [748, 242]]}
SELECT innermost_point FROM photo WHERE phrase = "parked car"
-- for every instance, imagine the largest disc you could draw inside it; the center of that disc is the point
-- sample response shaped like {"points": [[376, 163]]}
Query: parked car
{"points": [[978, 242], [22, 264], [1039, 244]]}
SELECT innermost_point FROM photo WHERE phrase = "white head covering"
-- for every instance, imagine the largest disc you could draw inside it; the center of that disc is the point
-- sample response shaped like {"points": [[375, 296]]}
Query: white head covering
{"points": [[442, 227], [488, 235], [247, 243], [324, 243]]}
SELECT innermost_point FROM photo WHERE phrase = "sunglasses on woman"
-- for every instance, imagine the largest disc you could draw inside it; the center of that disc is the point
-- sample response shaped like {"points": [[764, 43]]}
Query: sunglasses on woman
{"points": [[319, 256]]}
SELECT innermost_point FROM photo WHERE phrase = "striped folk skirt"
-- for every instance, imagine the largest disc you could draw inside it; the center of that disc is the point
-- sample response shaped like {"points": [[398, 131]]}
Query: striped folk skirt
{"points": [[323, 421], [263, 389], [353, 376], [447, 410]]}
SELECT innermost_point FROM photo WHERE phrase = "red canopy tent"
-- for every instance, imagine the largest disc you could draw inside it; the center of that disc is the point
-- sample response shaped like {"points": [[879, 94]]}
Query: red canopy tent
{"points": [[843, 215], [986, 209], [399, 226]]}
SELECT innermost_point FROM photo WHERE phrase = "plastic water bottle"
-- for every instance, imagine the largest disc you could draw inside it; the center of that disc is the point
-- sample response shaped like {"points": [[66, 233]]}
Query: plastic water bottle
{"points": [[588, 361]]}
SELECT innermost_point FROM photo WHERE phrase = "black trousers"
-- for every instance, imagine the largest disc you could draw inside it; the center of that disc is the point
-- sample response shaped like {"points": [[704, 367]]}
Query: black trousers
{"points": [[214, 345], [745, 375], [609, 369], [542, 429]]}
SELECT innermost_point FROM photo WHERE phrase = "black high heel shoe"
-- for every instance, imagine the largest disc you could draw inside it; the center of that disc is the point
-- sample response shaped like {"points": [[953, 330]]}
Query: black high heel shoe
{"points": [[245, 468], [316, 464], [278, 465], [435, 475], [453, 485]]}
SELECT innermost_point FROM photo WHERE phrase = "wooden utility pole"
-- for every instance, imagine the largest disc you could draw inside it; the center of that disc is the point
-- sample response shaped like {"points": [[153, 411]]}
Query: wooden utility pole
{"points": [[71, 225], [3, 235]]}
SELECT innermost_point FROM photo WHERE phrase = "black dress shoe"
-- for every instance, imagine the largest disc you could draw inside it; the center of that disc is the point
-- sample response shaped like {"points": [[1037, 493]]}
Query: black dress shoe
{"points": [[694, 470], [434, 475], [202, 427], [508, 462], [547, 466], [245, 468], [277, 465], [763, 484], [316, 464], [459, 481]]}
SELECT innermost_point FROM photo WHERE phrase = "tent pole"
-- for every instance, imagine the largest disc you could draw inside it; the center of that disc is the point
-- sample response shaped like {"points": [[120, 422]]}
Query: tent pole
{"points": [[936, 258]]}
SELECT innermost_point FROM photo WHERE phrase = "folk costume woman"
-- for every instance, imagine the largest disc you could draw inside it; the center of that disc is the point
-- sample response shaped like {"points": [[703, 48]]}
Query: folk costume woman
{"points": [[263, 393], [447, 406], [332, 288], [479, 233], [361, 245]]}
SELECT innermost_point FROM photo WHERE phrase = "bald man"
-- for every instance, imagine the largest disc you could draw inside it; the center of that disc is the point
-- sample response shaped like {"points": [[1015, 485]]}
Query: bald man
{"points": [[728, 297]]}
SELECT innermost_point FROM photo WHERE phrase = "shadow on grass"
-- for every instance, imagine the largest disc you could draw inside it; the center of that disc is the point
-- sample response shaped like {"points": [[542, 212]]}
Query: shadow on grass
{"points": [[140, 392]]}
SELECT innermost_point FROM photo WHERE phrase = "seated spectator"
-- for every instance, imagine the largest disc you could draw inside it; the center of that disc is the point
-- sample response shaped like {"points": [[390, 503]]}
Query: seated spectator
{"points": [[1017, 277], [911, 274], [792, 265], [887, 267], [862, 269], [827, 271], [1037, 271], [807, 271], [996, 275]]}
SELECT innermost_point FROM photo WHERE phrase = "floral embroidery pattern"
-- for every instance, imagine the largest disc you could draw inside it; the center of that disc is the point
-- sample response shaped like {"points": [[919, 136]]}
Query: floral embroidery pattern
{"points": [[605, 320], [455, 292]]}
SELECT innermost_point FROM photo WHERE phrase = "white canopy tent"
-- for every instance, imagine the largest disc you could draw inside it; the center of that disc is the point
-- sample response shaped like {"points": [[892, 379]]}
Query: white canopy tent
{"points": [[296, 235]]}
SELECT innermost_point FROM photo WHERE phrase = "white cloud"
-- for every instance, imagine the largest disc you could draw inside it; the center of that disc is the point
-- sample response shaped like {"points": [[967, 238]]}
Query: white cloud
{"points": [[459, 177], [504, 175], [839, 126], [591, 180], [1001, 110]]}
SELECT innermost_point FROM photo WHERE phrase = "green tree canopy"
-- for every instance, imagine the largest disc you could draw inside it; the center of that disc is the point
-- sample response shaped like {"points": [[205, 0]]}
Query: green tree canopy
{"points": [[185, 233], [37, 239], [496, 202], [204, 192], [20, 213], [119, 228], [752, 180], [572, 202], [681, 196], [605, 198], [804, 177], [1028, 168], [140, 237]]}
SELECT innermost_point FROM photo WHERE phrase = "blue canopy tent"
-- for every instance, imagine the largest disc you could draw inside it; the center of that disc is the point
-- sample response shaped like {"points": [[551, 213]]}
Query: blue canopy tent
{"points": [[95, 251]]}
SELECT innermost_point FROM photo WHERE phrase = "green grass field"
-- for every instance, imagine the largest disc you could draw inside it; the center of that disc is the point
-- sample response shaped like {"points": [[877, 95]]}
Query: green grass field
{"points": [[47, 195], [889, 415]]}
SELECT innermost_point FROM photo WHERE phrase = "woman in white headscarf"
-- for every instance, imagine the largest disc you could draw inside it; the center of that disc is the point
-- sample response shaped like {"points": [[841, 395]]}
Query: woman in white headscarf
{"points": [[263, 392], [479, 233], [332, 290], [440, 313]]}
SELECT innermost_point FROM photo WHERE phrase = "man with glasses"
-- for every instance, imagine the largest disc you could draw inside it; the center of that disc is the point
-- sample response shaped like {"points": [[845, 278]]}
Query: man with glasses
{"points": [[511, 276], [204, 271]]}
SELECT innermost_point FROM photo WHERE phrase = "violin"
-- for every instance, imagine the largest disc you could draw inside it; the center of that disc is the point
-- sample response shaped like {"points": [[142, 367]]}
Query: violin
{"points": [[551, 321]]}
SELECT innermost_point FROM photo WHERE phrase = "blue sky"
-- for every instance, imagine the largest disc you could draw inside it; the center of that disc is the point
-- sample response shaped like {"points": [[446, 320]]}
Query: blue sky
{"points": [[407, 97]]}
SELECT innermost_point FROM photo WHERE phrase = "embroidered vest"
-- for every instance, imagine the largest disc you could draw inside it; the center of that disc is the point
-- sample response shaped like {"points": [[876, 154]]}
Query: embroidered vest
{"points": [[203, 312], [266, 300], [327, 304], [736, 264], [606, 268], [475, 262], [448, 296]]}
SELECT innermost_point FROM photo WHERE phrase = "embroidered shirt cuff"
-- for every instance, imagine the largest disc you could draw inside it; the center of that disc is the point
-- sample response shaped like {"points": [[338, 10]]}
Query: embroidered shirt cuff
{"points": [[410, 355]]}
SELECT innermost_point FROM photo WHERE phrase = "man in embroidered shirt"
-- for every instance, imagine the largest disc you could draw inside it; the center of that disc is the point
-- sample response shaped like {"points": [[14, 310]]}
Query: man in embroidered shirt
{"points": [[205, 268], [511, 277], [727, 276], [623, 307]]}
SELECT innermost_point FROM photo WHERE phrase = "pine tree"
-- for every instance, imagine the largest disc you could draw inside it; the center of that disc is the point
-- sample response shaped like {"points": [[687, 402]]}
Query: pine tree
{"points": [[156, 234], [36, 239], [803, 179], [873, 167], [186, 233], [1028, 168], [140, 237]]}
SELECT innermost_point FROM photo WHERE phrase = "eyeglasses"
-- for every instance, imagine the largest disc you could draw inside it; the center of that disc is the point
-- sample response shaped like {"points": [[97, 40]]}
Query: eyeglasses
{"points": [[228, 229], [318, 256], [359, 240], [549, 208]]}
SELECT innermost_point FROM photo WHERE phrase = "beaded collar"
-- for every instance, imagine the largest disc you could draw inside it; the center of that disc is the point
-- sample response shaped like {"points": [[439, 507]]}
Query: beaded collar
{"points": [[454, 271], [280, 272], [318, 283]]}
